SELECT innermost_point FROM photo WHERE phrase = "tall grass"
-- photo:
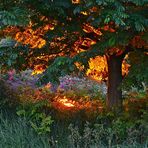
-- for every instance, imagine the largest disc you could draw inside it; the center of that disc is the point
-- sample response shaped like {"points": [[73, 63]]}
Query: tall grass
{"points": [[15, 133]]}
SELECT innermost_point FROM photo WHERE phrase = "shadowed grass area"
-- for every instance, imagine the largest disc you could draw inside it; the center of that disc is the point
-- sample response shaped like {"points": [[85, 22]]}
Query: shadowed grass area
{"points": [[15, 132]]}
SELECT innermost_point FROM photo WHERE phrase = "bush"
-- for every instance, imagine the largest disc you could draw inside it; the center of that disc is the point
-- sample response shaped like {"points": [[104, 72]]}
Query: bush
{"points": [[8, 97], [28, 94], [36, 117], [21, 79], [119, 133], [83, 87]]}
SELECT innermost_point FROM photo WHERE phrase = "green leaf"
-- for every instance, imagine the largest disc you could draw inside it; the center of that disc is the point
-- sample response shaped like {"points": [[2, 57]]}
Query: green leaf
{"points": [[107, 20], [21, 112], [139, 26], [9, 62], [78, 9], [111, 41]]}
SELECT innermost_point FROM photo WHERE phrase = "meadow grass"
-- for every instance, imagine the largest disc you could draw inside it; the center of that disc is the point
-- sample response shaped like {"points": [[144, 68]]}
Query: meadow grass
{"points": [[15, 132]]}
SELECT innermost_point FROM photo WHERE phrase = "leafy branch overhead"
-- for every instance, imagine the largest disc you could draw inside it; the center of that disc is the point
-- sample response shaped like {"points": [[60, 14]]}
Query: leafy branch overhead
{"points": [[14, 17], [118, 21]]}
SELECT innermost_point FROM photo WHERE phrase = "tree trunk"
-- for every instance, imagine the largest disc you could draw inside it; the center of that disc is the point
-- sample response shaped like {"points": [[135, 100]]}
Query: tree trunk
{"points": [[114, 92]]}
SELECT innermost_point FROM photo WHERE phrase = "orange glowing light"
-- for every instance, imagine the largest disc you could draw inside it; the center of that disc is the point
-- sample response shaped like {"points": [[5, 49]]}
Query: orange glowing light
{"points": [[38, 69], [31, 37], [84, 13], [98, 68], [88, 29], [75, 1], [66, 102]]}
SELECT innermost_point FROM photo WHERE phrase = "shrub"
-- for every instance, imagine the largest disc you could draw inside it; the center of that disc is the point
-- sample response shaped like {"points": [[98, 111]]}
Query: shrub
{"points": [[21, 79], [118, 134], [8, 97], [82, 87], [35, 115], [28, 94]]}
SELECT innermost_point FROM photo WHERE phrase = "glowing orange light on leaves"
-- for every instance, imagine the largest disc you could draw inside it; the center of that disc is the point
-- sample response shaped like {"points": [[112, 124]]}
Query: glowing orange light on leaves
{"points": [[108, 28], [84, 13], [75, 1], [88, 42], [98, 68], [88, 29], [66, 102]]}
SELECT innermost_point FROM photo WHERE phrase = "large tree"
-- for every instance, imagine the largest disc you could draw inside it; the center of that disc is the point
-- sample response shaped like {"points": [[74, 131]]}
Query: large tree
{"points": [[117, 27]]}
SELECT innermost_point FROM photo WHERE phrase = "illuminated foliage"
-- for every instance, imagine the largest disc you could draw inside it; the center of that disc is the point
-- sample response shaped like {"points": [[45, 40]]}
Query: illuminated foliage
{"points": [[98, 68], [75, 1]]}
